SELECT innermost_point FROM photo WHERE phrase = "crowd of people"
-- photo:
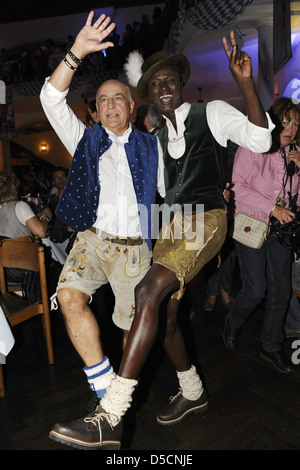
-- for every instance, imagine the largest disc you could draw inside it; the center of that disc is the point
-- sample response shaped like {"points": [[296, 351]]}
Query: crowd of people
{"points": [[115, 175], [34, 62], [27, 208], [37, 184]]}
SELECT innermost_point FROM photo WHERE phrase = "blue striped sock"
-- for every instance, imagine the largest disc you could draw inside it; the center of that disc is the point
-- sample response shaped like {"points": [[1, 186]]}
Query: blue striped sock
{"points": [[100, 376]]}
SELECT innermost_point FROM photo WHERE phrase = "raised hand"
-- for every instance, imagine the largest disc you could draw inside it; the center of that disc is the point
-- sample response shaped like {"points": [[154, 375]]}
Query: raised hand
{"points": [[90, 38], [239, 62], [241, 69]]}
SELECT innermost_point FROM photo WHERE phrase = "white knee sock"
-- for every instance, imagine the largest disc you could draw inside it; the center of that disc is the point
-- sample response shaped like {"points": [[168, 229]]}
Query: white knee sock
{"points": [[190, 384], [118, 396], [100, 376]]}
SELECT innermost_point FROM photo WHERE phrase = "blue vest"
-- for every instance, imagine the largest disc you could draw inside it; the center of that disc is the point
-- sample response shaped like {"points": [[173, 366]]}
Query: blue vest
{"points": [[79, 201]]}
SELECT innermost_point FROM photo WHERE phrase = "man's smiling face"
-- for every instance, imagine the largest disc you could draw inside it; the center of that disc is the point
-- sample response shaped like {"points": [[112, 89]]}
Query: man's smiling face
{"points": [[165, 89], [114, 106]]}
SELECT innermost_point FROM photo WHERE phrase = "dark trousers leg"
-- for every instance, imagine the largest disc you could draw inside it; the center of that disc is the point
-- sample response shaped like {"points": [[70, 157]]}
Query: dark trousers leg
{"points": [[265, 273], [278, 271]]}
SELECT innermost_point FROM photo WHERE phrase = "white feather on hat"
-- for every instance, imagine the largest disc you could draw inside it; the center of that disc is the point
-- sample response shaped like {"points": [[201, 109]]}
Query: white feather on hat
{"points": [[133, 68]]}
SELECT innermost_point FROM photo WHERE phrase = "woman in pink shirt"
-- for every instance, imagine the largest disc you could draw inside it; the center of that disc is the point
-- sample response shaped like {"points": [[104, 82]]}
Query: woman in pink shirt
{"points": [[263, 187]]}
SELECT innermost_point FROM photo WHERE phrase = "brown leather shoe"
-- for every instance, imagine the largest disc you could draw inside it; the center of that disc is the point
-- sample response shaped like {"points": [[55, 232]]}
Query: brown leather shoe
{"points": [[98, 430], [179, 407]]}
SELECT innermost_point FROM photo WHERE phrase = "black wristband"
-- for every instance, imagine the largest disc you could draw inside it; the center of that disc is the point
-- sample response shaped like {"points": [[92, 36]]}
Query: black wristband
{"points": [[69, 65], [74, 58]]}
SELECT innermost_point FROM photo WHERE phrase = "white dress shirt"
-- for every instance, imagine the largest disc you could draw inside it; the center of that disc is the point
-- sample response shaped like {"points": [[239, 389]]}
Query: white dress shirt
{"points": [[117, 212], [226, 123]]}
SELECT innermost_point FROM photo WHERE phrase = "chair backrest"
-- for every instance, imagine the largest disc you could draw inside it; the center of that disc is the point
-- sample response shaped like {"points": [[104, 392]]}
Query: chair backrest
{"points": [[26, 238], [28, 255], [21, 254], [13, 286]]}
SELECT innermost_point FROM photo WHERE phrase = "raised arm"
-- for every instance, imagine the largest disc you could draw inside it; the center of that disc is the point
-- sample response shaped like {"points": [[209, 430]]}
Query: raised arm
{"points": [[241, 69], [88, 40]]}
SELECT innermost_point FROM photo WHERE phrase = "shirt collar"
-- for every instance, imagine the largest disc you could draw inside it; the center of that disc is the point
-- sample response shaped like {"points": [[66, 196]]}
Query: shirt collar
{"points": [[123, 137], [180, 115]]}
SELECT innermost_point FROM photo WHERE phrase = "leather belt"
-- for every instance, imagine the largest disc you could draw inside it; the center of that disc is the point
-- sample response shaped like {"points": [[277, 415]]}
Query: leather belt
{"points": [[120, 241], [125, 241]]}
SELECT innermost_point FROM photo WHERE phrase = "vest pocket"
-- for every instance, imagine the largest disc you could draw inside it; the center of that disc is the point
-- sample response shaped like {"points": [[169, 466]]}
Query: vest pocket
{"points": [[200, 153], [205, 190]]}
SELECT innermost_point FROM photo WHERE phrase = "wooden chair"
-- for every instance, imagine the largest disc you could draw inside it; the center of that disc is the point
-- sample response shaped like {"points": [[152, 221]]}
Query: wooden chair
{"points": [[25, 255], [16, 286]]}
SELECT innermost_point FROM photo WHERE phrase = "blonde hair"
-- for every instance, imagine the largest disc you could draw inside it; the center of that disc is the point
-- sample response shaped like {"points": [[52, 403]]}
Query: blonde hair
{"points": [[9, 187]]}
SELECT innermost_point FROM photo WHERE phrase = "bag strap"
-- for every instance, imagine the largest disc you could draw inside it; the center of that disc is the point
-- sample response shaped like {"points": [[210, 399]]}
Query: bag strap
{"points": [[290, 171]]}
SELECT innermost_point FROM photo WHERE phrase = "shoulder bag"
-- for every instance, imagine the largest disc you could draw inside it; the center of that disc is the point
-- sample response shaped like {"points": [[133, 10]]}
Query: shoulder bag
{"points": [[249, 230]]}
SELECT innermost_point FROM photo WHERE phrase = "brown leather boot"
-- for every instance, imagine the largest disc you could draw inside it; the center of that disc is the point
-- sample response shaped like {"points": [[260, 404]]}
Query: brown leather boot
{"points": [[179, 407], [98, 430]]}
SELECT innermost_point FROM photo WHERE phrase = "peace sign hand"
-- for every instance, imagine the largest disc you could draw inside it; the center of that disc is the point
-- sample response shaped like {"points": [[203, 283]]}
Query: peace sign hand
{"points": [[239, 61]]}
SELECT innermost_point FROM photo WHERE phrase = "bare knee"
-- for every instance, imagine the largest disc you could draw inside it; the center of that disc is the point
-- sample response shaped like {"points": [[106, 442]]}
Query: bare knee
{"points": [[71, 299], [145, 294], [156, 285], [148, 296]]}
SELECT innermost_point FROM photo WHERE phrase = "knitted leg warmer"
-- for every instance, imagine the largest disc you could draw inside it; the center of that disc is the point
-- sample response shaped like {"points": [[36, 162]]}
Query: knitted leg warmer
{"points": [[118, 396], [190, 384]]}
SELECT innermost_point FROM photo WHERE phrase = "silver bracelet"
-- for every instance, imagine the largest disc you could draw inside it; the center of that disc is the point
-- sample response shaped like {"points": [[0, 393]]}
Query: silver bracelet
{"points": [[43, 216]]}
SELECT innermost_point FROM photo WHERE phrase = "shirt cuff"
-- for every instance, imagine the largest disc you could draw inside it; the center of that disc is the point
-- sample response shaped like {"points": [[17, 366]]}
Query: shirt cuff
{"points": [[253, 128], [51, 91], [260, 137]]}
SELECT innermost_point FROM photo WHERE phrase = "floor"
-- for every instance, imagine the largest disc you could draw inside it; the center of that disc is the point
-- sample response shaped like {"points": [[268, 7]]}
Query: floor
{"points": [[252, 406]]}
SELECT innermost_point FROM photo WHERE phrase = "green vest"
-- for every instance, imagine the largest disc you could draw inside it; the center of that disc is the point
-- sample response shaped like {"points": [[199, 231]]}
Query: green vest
{"points": [[198, 176]]}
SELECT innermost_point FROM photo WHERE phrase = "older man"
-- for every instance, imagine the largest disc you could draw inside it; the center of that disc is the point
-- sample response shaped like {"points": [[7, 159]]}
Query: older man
{"points": [[193, 143], [108, 194]]}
